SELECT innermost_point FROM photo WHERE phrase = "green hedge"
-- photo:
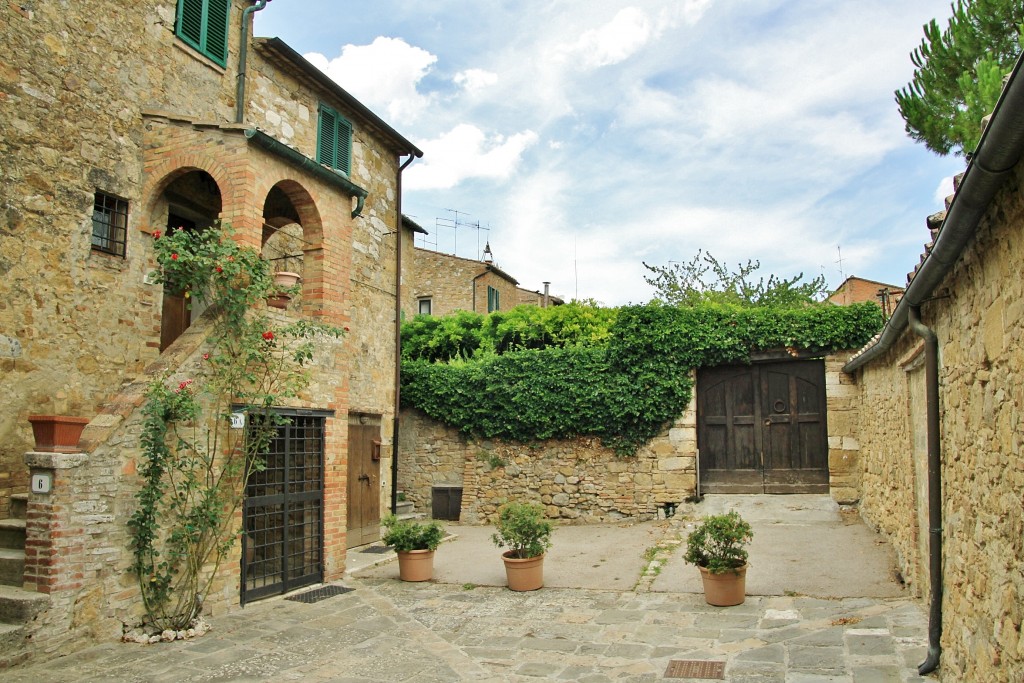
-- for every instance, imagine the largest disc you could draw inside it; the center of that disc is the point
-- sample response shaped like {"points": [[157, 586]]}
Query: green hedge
{"points": [[622, 386]]}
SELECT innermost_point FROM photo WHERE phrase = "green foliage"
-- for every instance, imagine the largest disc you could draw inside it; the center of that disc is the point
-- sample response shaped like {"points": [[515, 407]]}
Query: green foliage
{"points": [[959, 72], [406, 534], [465, 335], [718, 543], [626, 389], [522, 529], [194, 466], [704, 279]]}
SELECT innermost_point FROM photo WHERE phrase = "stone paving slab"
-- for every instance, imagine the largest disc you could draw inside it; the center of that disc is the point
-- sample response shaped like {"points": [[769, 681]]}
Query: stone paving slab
{"points": [[442, 632]]}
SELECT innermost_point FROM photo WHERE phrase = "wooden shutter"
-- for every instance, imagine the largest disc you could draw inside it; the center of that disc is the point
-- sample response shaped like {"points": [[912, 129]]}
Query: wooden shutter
{"points": [[327, 137], [344, 157], [190, 22], [216, 46]]}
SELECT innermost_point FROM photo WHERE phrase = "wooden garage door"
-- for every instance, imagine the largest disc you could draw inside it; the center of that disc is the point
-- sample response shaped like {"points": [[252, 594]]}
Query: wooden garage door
{"points": [[762, 429]]}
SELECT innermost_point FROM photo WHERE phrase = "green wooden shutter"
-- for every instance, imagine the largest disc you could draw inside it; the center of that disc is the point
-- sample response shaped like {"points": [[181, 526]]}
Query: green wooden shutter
{"points": [[219, 12], [327, 137], [344, 157], [190, 22], [203, 24]]}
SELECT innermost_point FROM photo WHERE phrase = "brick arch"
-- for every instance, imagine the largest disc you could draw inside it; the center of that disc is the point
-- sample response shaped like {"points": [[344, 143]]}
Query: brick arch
{"points": [[159, 177], [311, 220]]}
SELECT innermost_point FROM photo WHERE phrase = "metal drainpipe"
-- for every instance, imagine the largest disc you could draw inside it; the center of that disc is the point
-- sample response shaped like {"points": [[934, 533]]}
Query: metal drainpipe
{"points": [[931, 362], [398, 334], [243, 53]]}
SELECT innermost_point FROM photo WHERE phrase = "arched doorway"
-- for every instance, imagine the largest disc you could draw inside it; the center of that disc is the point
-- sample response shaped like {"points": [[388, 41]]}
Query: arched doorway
{"points": [[190, 201]]}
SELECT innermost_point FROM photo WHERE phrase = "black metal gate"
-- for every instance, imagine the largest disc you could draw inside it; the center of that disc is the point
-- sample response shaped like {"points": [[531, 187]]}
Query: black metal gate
{"points": [[282, 548]]}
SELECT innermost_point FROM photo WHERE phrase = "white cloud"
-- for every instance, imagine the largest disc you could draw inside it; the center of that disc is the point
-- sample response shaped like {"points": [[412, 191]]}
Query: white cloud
{"points": [[472, 80], [613, 42], [467, 152], [944, 189], [382, 75]]}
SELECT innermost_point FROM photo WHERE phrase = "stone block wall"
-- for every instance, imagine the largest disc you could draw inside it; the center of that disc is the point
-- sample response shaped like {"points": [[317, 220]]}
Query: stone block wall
{"points": [[842, 398], [980, 327], [453, 283], [577, 480]]}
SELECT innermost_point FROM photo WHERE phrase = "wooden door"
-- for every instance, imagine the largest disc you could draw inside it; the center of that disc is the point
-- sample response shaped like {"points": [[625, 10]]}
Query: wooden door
{"points": [[762, 428], [363, 483]]}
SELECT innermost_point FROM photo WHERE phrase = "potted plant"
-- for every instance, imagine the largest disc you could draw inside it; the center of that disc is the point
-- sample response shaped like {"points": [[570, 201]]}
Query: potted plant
{"points": [[522, 529], [414, 543], [717, 547], [286, 284], [57, 433]]}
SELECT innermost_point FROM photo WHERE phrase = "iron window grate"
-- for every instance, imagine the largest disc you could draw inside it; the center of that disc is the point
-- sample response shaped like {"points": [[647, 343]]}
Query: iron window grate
{"points": [[109, 224], [695, 668]]}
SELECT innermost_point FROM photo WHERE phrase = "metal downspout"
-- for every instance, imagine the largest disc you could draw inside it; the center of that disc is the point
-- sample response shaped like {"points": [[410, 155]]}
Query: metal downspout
{"points": [[243, 54], [398, 334], [931, 362]]}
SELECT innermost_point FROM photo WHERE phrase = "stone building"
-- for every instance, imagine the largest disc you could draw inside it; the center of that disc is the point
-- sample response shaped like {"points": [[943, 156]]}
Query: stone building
{"points": [[857, 289], [445, 283], [539, 298], [941, 392], [120, 119]]}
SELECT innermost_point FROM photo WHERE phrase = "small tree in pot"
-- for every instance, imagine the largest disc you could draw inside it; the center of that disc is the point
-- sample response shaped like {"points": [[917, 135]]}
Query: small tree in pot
{"points": [[522, 529], [414, 543], [717, 547]]}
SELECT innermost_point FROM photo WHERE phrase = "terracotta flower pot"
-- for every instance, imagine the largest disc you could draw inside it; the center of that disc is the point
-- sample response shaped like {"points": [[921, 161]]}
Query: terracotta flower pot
{"points": [[725, 590], [57, 433], [286, 278], [526, 574], [416, 565]]}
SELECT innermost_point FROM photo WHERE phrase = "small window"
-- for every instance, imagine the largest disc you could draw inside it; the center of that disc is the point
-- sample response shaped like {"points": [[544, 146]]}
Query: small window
{"points": [[425, 306], [334, 140], [109, 224], [493, 299], [203, 24]]}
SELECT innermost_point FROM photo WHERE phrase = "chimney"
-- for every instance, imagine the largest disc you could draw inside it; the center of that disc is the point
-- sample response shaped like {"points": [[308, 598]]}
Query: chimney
{"points": [[547, 297]]}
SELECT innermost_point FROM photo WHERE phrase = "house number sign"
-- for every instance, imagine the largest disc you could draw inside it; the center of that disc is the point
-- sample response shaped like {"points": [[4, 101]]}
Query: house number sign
{"points": [[41, 482]]}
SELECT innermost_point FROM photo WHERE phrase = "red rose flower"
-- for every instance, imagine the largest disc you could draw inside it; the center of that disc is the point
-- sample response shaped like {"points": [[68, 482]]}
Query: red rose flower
{"points": [[206, 356], [219, 269], [268, 335], [174, 257], [156, 234]]}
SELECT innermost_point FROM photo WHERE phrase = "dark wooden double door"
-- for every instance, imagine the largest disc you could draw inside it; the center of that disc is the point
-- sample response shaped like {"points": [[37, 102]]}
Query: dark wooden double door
{"points": [[762, 428]]}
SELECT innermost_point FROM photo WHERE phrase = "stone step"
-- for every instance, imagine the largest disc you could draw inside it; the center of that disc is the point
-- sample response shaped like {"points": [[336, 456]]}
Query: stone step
{"points": [[12, 644], [12, 566], [12, 533], [19, 505], [403, 507], [19, 606]]}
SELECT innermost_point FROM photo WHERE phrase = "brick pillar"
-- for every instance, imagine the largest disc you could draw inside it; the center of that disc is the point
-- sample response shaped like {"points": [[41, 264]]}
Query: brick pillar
{"points": [[54, 551]]}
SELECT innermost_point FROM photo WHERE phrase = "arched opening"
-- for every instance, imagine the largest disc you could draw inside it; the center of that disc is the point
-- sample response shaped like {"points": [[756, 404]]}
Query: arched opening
{"points": [[191, 200], [291, 233]]}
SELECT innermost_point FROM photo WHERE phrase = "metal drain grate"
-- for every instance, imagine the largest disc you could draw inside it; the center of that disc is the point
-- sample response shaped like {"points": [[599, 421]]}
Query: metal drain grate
{"points": [[376, 549], [695, 668], [318, 594]]}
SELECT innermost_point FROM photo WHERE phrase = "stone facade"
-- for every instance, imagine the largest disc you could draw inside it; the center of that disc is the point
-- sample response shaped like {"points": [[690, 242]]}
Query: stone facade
{"points": [[980, 329], [98, 96], [453, 283]]}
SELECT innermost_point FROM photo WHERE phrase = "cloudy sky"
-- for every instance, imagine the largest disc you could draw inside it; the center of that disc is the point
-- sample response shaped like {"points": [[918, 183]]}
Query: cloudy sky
{"points": [[590, 136]]}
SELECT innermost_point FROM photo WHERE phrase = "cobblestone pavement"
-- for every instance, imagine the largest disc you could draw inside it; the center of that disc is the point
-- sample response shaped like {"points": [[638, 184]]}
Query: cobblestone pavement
{"points": [[386, 630]]}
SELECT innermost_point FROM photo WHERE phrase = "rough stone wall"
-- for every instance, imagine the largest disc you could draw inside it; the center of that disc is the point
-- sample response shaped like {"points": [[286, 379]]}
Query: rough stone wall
{"points": [[980, 327], [449, 282], [74, 78], [842, 399], [577, 480]]}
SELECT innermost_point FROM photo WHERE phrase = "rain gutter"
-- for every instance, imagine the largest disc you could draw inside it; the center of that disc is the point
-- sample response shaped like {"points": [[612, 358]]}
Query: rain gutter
{"points": [[243, 54], [304, 163], [998, 153], [398, 331]]}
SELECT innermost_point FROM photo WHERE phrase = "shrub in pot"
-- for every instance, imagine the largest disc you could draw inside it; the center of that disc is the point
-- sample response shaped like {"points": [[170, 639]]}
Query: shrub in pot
{"points": [[522, 529], [414, 543], [718, 547]]}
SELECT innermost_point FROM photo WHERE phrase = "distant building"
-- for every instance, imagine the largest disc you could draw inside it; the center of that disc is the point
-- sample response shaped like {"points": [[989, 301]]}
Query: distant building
{"points": [[856, 289], [445, 283], [537, 298]]}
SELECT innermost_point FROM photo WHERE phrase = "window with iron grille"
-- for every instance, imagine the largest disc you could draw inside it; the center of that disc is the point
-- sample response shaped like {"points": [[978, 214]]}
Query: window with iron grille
{"points": [[334, 140], [203, 24], [109, 224]]}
